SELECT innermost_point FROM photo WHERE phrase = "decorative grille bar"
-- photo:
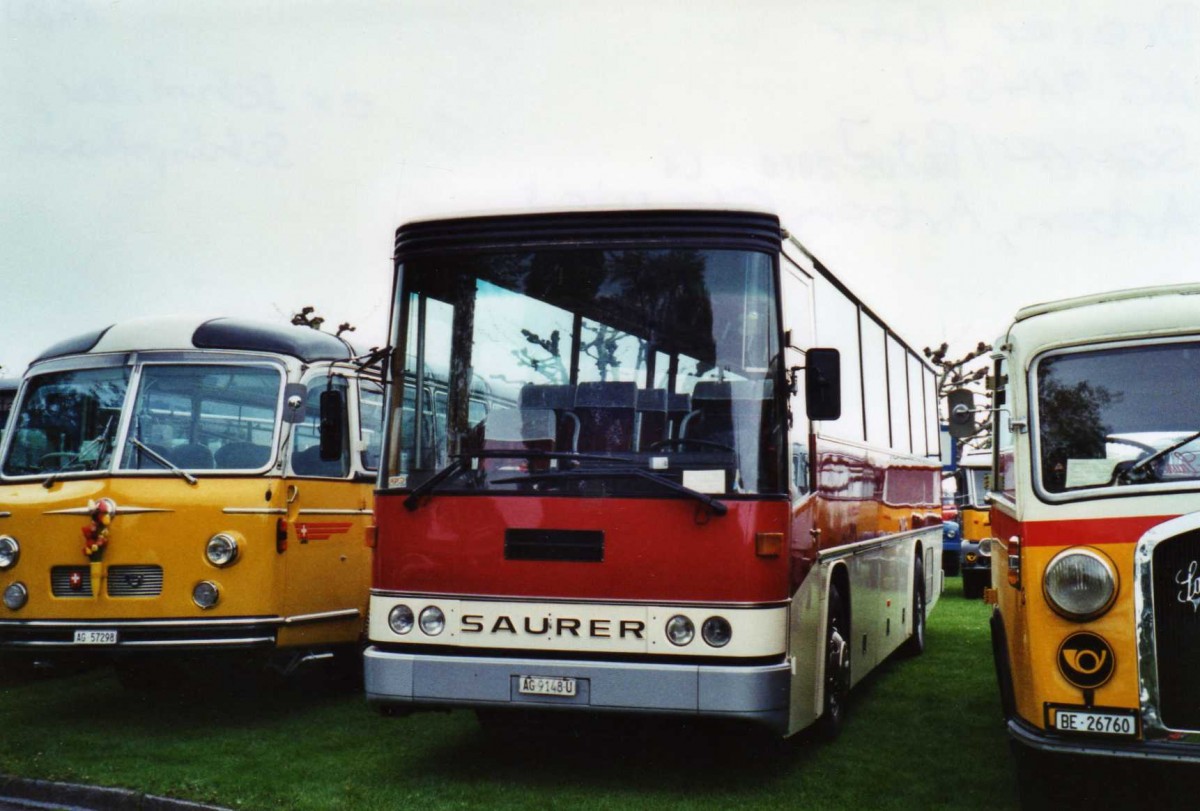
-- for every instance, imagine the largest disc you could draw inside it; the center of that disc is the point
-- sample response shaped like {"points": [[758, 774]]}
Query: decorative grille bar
{"points": [[135, 581], [61, 582]]}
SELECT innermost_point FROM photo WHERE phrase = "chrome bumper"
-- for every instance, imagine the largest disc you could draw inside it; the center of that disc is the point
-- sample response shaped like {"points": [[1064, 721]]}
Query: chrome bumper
{"points": [[57, 635], [753, 693], [1158, 750]]}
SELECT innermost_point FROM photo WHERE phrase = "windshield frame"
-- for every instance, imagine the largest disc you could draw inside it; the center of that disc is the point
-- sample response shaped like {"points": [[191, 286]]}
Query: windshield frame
{"points": [[397, 482], [1106, 491], [135, 362]]}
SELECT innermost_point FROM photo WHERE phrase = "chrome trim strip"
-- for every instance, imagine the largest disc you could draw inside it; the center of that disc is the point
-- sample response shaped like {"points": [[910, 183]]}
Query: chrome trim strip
{"points": [[142, 643], [120, 511], [118, 624], [1143, 606], [319, 511], [849, 550], [509, 598], [254, 511], [324, 616], [5, 514]]}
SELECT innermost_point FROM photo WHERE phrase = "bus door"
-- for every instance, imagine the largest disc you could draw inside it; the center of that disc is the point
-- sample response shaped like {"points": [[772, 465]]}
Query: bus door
{"points": [[328, 514]]}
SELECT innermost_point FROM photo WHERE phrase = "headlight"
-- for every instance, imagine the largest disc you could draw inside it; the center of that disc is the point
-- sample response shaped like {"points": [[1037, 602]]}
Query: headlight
{"points": [[400, 619], [680, 630], [985, 547], [433, 621], [15, 596], [716, 631], [221, 550], [10, 550], [1080, 584], [206, 594]]}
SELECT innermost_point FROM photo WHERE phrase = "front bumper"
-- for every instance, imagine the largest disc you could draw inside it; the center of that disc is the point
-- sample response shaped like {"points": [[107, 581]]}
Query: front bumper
{"points": [[1027, 734], [757, 694], [36, 636]]}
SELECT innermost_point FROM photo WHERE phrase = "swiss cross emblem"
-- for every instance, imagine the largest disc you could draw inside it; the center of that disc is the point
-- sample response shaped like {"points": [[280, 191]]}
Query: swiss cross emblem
{"points": [[304, 533], [76, 581]]}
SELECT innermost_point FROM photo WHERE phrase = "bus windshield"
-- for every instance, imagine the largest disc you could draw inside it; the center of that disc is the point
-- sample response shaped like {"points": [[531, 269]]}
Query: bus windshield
{"points": [[561, 370], [196, 417], [1116, 417]]}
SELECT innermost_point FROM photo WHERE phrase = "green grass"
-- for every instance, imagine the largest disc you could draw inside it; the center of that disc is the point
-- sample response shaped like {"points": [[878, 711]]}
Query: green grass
{"points": [[922, 733]]}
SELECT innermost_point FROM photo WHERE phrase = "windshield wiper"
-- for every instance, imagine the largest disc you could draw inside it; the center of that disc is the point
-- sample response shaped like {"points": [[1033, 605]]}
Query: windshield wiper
{"points": [[1137, 467], [718, 507], [432, 483], [162, 460]]}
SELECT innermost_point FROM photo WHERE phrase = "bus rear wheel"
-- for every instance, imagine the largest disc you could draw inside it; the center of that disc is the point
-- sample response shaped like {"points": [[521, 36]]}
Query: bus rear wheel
{"points": [[837, 666], [915, 645]]}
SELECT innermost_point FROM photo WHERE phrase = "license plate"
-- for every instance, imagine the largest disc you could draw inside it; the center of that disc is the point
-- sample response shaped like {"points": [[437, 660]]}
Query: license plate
{"points": [[95, 637], [1095, 723], [546, 685]]}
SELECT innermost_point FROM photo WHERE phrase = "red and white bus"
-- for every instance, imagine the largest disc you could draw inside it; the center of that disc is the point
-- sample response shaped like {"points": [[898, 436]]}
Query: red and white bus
{"points": [[618, 476]]}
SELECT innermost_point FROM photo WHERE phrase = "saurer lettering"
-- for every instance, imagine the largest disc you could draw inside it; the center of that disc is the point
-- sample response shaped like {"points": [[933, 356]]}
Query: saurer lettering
{"points": [[560, 626]]}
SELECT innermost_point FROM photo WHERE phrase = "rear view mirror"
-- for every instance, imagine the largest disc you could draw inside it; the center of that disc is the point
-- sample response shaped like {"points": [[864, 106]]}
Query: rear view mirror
{"points": [[962, 413], [333, 410], [823, 384]]}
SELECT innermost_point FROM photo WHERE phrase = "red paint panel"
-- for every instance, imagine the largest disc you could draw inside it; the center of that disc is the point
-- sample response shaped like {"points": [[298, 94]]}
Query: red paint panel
{"points": [[661, 550], [322, 531], [1079, 531]]}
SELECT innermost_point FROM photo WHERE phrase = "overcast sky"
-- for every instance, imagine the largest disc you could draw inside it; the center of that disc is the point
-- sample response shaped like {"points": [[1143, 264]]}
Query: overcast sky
{"points": [[950, 161]]}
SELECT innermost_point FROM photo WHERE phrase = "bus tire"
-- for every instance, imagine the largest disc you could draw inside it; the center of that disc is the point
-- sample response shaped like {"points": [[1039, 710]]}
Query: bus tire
{"points": [[973, 582], [837, 667], [915, 644]]}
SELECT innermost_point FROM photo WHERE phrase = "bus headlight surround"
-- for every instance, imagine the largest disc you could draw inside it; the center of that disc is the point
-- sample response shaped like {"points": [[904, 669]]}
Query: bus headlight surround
{"points": [[206, 594], [1080, 583], [10, 552], [432, 620], [716, 632], [680, 630], [221, 550], [15, 596], [401, 619]]}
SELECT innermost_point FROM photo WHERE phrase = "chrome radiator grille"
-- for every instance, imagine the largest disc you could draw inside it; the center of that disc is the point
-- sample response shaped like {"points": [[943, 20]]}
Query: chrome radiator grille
{"points": [[60, 581], [1176, 564], [135, 581]]}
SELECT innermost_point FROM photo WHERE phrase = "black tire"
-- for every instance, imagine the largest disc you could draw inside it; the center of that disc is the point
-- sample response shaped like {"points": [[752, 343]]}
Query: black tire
{"points": [[973, 583], [837, 679], [915, 644], [950, 564]]}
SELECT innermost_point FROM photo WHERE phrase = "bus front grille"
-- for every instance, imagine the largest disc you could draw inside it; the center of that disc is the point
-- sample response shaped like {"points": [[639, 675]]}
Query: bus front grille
{"points": [[71, 581], [135, 581], [1176, 569]]}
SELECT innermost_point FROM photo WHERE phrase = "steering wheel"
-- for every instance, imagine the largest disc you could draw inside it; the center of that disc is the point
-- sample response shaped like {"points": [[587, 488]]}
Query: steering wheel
{"points": [[683, 440]]}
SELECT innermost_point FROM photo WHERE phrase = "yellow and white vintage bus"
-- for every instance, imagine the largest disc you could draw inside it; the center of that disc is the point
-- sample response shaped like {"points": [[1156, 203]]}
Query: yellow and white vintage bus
{"points": [[164, 490], [975, 520], [1096, 524]]}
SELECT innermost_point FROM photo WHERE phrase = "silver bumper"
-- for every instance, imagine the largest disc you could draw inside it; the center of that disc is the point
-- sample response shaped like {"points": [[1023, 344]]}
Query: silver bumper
{"points": [[758, 693]]}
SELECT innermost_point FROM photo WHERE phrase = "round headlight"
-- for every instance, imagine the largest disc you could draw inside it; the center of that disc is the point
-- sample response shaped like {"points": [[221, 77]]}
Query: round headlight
{"points": [[15, 596], [1080, 584], [221, 550], [716, 631], [401, 619], [10, 550], [680, 630], [985, 547], [433, 621], [206, 594]]}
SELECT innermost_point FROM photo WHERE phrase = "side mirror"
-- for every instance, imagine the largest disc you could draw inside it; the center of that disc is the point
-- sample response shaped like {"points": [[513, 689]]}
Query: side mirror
{"points": [[333, 412], [295, 395], [823, 384], [962, 413]]}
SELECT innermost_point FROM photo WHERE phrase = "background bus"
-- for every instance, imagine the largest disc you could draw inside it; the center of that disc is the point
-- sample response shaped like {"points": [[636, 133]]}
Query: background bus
{"points": [[1094, 509], [166, 495], [975, 522], [649, 521]]}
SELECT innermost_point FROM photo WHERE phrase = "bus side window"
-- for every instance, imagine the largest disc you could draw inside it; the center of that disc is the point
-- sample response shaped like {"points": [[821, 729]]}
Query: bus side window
{"points": [[306, 436]]}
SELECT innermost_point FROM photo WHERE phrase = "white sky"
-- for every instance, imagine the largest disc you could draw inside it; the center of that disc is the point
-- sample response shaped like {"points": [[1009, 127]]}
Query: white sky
{"points": [[950, 161]]}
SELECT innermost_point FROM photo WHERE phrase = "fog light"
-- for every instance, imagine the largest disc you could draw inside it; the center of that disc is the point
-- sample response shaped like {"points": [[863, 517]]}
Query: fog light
{"points": [[10, 551], [15, 596], [221, 550], [206, 594], [680, 630], [716, 631], [433, 621], [400, 619]]}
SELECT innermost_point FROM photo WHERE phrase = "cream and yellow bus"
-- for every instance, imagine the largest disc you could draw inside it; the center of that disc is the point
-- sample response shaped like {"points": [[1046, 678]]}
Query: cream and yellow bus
{"points": [[164, 492]]}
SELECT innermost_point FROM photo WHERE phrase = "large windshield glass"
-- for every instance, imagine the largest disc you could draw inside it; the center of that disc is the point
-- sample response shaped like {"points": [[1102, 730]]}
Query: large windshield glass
{"points": [[662, 360], [67, 421], [1117, 417]]}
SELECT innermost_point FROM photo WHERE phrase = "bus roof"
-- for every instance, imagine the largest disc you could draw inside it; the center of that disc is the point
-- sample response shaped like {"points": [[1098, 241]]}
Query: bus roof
{"points": [[1110, 296], [185, 333]]}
